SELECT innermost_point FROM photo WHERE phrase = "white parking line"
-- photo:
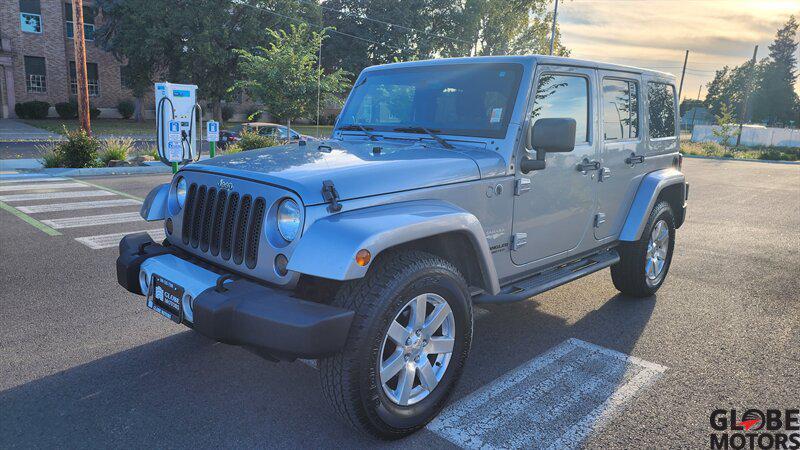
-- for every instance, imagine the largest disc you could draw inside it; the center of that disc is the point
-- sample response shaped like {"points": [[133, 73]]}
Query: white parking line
{"points": [[40, 186], [112, 240], [86, 221], [78, 205], [4, 180], [54, 195], [553, 401]]}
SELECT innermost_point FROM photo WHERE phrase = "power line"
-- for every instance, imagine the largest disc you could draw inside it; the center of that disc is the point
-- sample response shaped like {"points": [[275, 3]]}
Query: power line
{"points": [[389, 24], [332, 30]]}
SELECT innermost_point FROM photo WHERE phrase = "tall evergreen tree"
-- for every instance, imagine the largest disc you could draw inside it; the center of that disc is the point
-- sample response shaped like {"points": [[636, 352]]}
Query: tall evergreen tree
{"points": [[775, 100]]}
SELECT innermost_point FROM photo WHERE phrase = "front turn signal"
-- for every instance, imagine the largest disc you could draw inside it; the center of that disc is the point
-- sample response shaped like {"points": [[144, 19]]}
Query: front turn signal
{"points": [[362, 257]]}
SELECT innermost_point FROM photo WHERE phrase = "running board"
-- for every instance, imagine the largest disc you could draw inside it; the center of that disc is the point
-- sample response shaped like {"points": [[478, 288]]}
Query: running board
{"points": [[551, 278]]}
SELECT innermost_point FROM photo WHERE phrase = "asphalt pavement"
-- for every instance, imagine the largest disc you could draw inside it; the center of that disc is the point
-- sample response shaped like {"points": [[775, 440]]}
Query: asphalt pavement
{"points": [[83, 363]]}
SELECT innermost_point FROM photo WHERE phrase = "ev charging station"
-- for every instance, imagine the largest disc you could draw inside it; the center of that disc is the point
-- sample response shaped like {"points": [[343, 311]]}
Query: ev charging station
{"points": [[177, 114]]}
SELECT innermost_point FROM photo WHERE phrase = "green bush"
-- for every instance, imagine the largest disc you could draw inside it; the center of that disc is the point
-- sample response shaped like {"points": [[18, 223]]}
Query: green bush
{"points": [[116, 149], [227, 112], [253, 114], [49, 158], [126, 108], [231, 149], [32, 110], [251, 140], [79, 150], [67, 110]]}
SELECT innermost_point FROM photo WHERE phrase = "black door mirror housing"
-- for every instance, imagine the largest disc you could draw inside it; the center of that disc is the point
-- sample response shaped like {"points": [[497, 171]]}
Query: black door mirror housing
{"points": [[554, 135]]}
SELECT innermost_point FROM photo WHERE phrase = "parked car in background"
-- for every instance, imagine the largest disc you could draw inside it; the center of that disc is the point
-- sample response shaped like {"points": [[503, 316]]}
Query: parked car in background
{"points": [[274, 130]]}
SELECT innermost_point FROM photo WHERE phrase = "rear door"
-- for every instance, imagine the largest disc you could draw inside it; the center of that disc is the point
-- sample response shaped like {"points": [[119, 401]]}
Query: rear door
{"points": [[554, 207], [622, 148]]}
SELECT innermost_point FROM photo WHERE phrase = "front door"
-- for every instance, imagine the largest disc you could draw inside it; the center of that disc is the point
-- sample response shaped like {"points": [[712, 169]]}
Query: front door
{"points": [[622, 154], [554, 207]]}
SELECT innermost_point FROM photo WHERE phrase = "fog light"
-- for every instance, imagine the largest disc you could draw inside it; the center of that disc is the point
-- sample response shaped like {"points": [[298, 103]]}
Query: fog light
{"points": [[169, 225], [143, 282], [281, 261], [362, 257]]}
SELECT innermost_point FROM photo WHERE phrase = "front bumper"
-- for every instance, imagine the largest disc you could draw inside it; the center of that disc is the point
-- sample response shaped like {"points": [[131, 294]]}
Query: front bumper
{"points": [[239, 312]]}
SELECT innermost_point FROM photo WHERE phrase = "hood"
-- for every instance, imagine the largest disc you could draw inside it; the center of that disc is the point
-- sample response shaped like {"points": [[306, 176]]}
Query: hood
{"points": [[355, 169]]}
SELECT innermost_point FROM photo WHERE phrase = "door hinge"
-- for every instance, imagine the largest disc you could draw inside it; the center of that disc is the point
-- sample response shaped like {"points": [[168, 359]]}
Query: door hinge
{"points": [[599, 219], [331, 196], [605, 174], [521, 186], [518, 240]]}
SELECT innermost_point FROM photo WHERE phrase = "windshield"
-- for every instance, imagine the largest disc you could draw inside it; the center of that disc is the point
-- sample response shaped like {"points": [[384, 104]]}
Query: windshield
{"points": [[456, 99]]}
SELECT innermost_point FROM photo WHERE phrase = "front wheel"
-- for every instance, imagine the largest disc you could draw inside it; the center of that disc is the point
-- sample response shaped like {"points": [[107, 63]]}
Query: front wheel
{"points": [[644, 264], [407, 345]]}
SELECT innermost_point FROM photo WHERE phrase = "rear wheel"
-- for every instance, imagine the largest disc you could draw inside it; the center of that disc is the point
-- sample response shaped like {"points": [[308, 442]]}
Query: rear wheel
{"points": [[407, 346], [644, 264]]}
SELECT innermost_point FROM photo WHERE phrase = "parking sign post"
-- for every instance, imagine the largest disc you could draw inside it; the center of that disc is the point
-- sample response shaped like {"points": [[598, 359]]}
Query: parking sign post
{"points": [[212, 135]]}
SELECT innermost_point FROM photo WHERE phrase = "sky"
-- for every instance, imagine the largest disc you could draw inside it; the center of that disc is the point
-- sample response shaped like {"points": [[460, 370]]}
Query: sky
{"points": [[655, 34]]}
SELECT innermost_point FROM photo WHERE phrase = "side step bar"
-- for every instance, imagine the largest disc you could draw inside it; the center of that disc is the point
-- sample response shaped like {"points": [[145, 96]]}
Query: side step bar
{"points": [[551, 278]]}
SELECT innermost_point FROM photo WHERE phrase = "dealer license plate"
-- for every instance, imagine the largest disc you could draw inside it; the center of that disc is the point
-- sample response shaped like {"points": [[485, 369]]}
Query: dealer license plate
{"points": [[164, 297]]}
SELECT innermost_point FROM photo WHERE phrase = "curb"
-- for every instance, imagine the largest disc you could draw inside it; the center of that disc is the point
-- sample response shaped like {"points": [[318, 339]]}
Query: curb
{"points": [[720, 158], [161, 168]]}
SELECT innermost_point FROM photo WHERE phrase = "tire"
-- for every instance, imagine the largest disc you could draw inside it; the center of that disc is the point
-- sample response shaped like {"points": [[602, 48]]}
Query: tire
{"points": [[632, 275], [351, 380]]}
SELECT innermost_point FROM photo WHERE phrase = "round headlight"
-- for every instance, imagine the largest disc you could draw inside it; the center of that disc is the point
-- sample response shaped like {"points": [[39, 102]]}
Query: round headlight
{"points": [[180, 192], [288, 219]]}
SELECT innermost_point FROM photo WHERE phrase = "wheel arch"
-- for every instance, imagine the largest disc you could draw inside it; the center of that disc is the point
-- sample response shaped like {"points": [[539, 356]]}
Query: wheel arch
{"points": [[666, 184], [434, 226]]}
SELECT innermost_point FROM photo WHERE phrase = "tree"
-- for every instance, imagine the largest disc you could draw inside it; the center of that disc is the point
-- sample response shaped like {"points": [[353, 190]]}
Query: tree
{"points": [[726, 129], [775, 100], [729, 86], [195, 46], [284, 75]]}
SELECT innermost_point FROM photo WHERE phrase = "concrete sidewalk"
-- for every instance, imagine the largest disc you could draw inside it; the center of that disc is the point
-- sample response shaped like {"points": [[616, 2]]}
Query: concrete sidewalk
{"points": [[12, 130]]}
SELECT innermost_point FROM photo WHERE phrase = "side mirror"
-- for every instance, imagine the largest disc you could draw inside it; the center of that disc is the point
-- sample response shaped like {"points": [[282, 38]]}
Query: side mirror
{"points": [[556, 135]]}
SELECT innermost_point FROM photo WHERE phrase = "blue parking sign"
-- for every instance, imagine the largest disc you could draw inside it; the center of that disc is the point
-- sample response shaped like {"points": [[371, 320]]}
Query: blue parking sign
{"points": [[174, 126]]}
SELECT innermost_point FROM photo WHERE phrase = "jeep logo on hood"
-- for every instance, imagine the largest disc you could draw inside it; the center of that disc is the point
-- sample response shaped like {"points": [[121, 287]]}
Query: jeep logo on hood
{"points": [[224, 184]]}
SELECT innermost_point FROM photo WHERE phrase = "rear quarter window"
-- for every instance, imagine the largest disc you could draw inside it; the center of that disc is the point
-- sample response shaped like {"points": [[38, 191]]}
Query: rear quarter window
{"points": [[661, 108]]}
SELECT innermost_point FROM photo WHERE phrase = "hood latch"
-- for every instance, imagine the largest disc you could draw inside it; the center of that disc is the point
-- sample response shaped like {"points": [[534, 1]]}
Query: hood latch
{"points": [[331, 196]]}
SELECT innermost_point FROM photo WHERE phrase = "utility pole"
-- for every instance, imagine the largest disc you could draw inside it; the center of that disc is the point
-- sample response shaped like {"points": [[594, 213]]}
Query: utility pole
{"points": [[319, 80], [743, 115], [553, 29], [683, 73], [80, 66]]}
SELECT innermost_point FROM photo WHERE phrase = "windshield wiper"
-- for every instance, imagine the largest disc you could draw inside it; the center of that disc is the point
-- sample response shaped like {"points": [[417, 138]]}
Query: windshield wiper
{"points": [[431, 133], [365, 130]]}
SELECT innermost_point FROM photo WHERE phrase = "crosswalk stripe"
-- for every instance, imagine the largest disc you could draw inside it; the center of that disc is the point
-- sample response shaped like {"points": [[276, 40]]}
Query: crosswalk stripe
{"points": [[78, 205], [54, 195], [86, 221], [112, 240], [6, 180], [553, 401], [40, 186]]}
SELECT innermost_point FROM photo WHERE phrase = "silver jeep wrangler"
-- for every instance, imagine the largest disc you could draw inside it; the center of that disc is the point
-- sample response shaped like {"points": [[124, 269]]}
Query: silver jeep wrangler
{"points": [[445, 184]]}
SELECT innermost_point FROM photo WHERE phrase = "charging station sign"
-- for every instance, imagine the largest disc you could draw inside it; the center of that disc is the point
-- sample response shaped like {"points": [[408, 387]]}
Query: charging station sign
{"points": [[212, 131], [174, 147]]}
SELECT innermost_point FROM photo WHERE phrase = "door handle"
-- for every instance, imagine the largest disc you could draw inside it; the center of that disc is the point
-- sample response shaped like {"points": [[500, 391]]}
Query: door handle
{"points": [[586, 165], [634, 159]]}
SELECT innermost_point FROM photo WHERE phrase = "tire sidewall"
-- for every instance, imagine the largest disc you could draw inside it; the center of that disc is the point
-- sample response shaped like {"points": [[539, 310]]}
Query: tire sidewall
{"points": [[437, 280], [661, 212]]}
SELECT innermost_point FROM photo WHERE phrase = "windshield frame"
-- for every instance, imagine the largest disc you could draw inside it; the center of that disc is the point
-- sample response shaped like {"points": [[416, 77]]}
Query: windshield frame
{"points": [[517, 68]]}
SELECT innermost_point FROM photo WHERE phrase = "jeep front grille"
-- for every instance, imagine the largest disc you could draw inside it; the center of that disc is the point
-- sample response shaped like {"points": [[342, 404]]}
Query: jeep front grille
{"points": [[221, 222]]}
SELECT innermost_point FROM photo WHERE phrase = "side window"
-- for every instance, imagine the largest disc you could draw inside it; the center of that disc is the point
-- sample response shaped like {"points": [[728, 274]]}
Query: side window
{"points": [[564, 96], [35, 75], [661, 99], [620, 109]]}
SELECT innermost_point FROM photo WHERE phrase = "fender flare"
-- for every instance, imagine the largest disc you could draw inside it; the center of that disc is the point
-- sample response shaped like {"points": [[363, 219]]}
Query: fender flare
{"points": [[328, 247], [649, 189], [154, 206]]}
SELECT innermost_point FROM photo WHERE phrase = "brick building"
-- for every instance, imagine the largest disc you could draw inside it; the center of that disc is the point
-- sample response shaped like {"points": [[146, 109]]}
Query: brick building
{"points": [[37, 57]]}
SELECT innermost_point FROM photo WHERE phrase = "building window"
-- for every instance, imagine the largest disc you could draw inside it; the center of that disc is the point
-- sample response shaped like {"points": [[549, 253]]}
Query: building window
{"points": [[30, 16], [91, 74], [88, 22], [35, 75]]}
